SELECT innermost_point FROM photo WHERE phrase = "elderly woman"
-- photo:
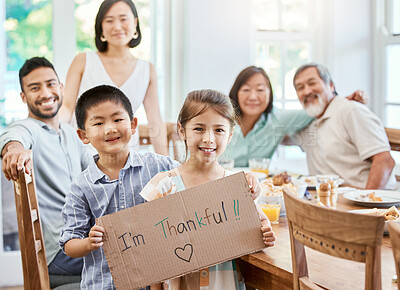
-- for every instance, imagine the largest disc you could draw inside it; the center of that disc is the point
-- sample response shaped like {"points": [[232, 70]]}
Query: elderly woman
{"points": [[261, 127]]}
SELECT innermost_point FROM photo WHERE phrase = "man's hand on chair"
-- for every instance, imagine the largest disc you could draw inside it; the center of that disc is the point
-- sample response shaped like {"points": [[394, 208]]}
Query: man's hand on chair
{"points": [[15, 158]]}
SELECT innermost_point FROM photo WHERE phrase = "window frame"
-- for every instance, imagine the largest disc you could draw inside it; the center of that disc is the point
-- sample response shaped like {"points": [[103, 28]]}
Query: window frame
{"points": [[382, 37], [318, 11], [284, 38]]}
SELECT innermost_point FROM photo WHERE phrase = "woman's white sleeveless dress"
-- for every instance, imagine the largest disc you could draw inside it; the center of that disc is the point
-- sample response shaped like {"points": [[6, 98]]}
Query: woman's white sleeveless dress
{"points": [[135, 87]]}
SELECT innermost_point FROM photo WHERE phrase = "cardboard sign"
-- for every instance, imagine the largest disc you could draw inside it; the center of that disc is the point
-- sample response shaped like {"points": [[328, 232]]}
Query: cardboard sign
{"points": [[181, 233]]}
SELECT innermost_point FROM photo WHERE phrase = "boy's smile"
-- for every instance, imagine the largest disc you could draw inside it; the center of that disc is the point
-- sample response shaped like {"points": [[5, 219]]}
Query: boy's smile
{"points": [[108, 128]]}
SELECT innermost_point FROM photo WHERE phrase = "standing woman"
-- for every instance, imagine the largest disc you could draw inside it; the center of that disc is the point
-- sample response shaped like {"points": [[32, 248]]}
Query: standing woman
{"points": [[116, 31]]}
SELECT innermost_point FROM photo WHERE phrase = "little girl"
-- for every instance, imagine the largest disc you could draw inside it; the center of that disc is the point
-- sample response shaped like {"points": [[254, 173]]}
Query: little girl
{"points": [[205, 122]]}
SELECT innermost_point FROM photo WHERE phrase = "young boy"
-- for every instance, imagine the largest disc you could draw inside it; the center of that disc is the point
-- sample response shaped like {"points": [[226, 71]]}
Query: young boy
{"points": [[112, 181]]}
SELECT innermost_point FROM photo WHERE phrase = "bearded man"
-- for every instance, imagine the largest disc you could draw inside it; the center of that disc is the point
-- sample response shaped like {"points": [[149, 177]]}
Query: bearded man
{"points": [[58, 157], [346, 138]]}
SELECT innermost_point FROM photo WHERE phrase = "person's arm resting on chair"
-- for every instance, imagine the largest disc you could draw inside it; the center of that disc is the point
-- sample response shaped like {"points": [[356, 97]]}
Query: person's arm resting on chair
{"points": [[15, 157], [381, 168]]}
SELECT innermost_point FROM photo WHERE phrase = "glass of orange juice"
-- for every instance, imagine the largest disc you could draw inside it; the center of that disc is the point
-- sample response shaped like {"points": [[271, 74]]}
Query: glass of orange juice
{"points": [[271, 206], [260, 165]]}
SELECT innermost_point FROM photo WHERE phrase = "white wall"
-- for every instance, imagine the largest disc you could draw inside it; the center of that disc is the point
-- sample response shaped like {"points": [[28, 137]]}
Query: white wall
{"points": [[218, 34], [217, 43], [64, 40], [349, 44]]}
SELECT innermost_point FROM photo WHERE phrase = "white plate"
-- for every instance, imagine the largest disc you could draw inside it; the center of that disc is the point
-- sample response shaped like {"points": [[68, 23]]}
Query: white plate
{"points": [[312, 180], [370, 211], [360, 197], [260, 175]]}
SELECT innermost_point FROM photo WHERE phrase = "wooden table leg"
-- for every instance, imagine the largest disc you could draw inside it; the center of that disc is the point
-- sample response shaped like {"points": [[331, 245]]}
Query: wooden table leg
{"points": [[256, 278]]}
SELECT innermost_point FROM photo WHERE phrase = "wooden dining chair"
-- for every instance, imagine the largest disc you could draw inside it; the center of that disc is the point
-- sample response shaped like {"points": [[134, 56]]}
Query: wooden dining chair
{"points": [[394, 138], [394, 232], [172, 138], [394, 141], [338, 233], [34, 263], [175, 139]]}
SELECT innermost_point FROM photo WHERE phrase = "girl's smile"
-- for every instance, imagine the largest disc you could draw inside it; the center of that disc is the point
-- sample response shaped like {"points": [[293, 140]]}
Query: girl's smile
{"points": [[207, 136]]}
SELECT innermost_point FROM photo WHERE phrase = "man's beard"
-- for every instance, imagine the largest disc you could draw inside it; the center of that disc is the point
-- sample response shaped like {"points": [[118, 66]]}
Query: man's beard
{"points": [[315, 110], [41, 115]]}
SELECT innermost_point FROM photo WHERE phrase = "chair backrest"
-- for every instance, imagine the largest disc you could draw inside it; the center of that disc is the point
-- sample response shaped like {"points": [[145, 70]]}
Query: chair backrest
{"points": [[144, 137], [394, 232], [394, 141], [172, 137], [394, 138], [34, 263], [334, 232]]}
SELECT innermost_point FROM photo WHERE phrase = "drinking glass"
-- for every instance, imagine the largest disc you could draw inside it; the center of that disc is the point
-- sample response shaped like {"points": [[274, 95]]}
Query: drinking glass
{"points": [[260, 165], [271, 206]]}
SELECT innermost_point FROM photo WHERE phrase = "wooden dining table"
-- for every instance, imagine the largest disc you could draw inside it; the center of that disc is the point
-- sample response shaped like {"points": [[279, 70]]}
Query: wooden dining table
{"points": [[271, 268]]}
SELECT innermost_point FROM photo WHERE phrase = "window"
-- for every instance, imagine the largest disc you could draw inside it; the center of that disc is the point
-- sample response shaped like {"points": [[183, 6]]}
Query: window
{"points": [[392, 85], [386, 61], [27, 28], [283, 42], [283, 39], [391, 49], [386, 69]]}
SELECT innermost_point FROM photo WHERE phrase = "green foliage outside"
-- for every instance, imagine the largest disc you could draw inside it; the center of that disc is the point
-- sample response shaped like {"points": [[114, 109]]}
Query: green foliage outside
{"points": [[84, 41], [28, 31]]}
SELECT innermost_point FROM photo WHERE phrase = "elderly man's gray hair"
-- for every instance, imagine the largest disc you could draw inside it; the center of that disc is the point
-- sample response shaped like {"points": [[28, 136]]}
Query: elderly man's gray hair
{"points": [[322, 71]]}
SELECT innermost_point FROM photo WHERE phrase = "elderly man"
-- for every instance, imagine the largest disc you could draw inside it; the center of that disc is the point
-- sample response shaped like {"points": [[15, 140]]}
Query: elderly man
{"points": [[346, 138], [58, 154]]}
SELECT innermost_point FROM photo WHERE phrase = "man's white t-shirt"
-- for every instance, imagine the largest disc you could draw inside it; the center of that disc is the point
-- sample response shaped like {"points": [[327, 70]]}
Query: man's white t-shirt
{"points": [[342, 141]]}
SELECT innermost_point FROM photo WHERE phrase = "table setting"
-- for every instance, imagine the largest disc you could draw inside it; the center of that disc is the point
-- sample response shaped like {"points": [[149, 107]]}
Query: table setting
{"points": [[272, 267]]}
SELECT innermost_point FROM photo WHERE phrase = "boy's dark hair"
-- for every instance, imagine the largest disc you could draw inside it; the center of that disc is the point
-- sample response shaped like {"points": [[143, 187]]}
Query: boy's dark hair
{"points": [[97, 95], [32, 64], [104, 7]]}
